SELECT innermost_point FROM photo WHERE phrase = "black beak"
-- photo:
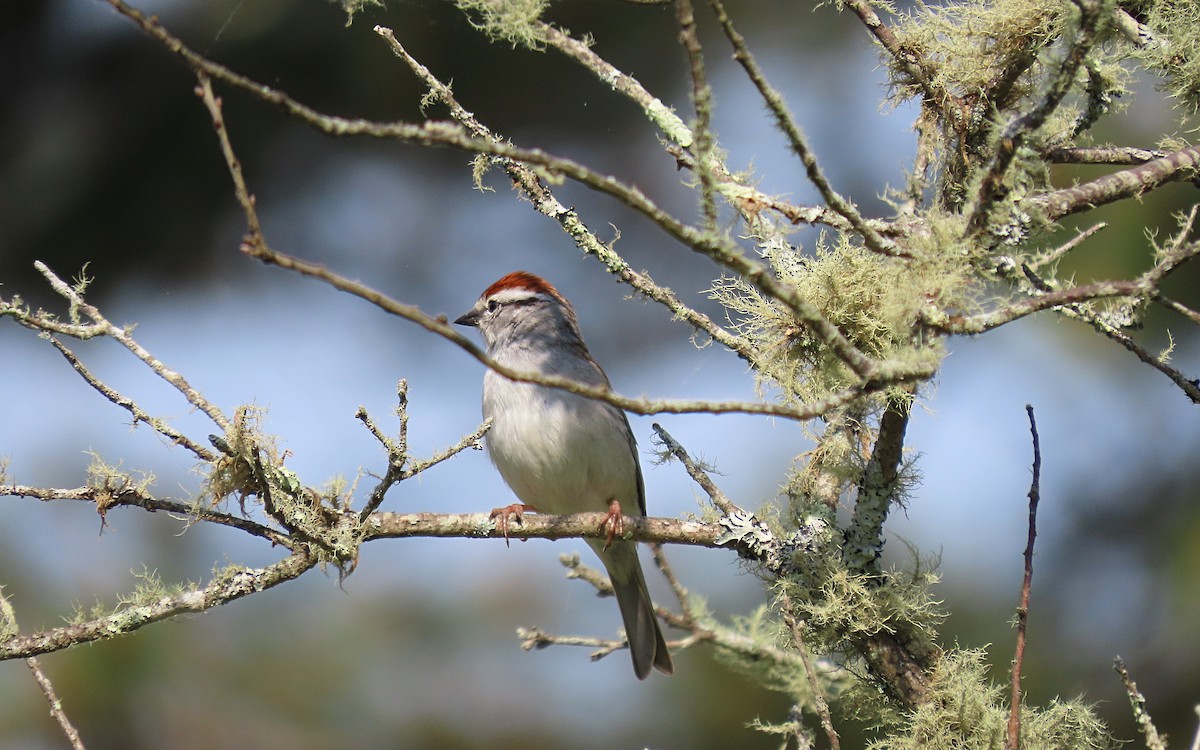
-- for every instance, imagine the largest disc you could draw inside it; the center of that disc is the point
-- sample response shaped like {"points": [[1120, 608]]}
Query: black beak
{"points": [[470, 318]]}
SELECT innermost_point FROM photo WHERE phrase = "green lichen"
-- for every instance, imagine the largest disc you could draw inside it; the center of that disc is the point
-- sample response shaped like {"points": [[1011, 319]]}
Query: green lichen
{"points": [[876, 301], [512, 21], [967, 710], [1175, 51]]}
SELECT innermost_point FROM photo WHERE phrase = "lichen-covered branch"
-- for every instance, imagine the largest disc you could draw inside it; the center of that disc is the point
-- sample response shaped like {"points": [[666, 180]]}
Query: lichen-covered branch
{"points": [[227, 585], [1183, 164]]}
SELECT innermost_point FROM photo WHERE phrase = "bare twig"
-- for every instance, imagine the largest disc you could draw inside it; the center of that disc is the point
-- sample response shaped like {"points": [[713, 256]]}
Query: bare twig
{"points": [[56, 709], [132, 496], [1051, 256], [1189, 386], [1013, 741], [664, 566], [244, 198]]}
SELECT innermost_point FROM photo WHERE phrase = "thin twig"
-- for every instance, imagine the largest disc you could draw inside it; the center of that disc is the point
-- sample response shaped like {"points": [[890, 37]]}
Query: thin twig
{"points": [[132, 496], [1013, 741], [702, 104], [245, 199], [1052, 256], [1137, 702], [43, 681], [56, 709], [128, 404], [471, 440], [659, 113], [697, 471], [122, 336], [682, 595], [797, 627], [1182, 309], [783, 117], [542, 198]]}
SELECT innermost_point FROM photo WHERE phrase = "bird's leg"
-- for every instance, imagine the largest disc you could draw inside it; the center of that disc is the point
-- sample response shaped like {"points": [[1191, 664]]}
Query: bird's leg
{"points": [[614, 522], [516, 509]]}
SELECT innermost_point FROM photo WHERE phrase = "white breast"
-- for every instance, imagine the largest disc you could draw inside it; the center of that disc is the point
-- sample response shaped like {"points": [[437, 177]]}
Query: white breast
{"points": [[559, 452]]}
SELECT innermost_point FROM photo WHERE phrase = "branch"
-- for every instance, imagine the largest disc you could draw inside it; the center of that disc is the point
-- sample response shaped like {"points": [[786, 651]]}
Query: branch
{"points": [[8, 618], [543, 199], [131, 496], [429, 134], [992, 187], [386, 525], [918, 68], [983, 322], [877, 490], [797, 627], [1103, 155], [702, 102], [697, 471], [663, 117], [102, 327], [228, 585], [441, 327], [783, 118], [1130, 183], [1013, 741], [139, 415]]}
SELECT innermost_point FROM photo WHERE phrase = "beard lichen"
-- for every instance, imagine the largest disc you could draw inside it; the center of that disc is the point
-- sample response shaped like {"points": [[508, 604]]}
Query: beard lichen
{"points": [[876, 301]]}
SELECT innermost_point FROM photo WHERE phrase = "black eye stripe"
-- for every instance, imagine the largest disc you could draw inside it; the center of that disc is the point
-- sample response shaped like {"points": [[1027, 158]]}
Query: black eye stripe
{"points": [[493, 304]]}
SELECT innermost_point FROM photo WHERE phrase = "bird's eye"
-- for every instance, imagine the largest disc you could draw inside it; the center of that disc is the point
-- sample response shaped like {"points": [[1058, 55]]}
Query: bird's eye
{"points": [[493, 306]]}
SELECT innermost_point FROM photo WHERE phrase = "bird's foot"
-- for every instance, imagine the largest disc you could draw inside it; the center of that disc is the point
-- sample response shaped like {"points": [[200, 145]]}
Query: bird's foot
{"points": [[614, 523], [501, 516]]}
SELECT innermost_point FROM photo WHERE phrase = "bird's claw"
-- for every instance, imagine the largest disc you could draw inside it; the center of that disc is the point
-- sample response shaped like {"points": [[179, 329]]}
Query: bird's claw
{"points": [[613, 524], [501, 516]]}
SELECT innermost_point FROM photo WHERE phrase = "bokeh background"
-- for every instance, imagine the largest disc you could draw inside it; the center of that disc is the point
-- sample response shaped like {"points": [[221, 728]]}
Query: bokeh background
{"points": [[108, 159]]}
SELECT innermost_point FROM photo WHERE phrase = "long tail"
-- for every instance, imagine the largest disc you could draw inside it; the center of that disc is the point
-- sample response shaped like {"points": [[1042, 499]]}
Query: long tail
{"points": [[646, 642]]}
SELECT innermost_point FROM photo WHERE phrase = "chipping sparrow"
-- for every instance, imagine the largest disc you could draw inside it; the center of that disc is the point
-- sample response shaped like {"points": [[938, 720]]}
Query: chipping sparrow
{"points": [[560, 452]]}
